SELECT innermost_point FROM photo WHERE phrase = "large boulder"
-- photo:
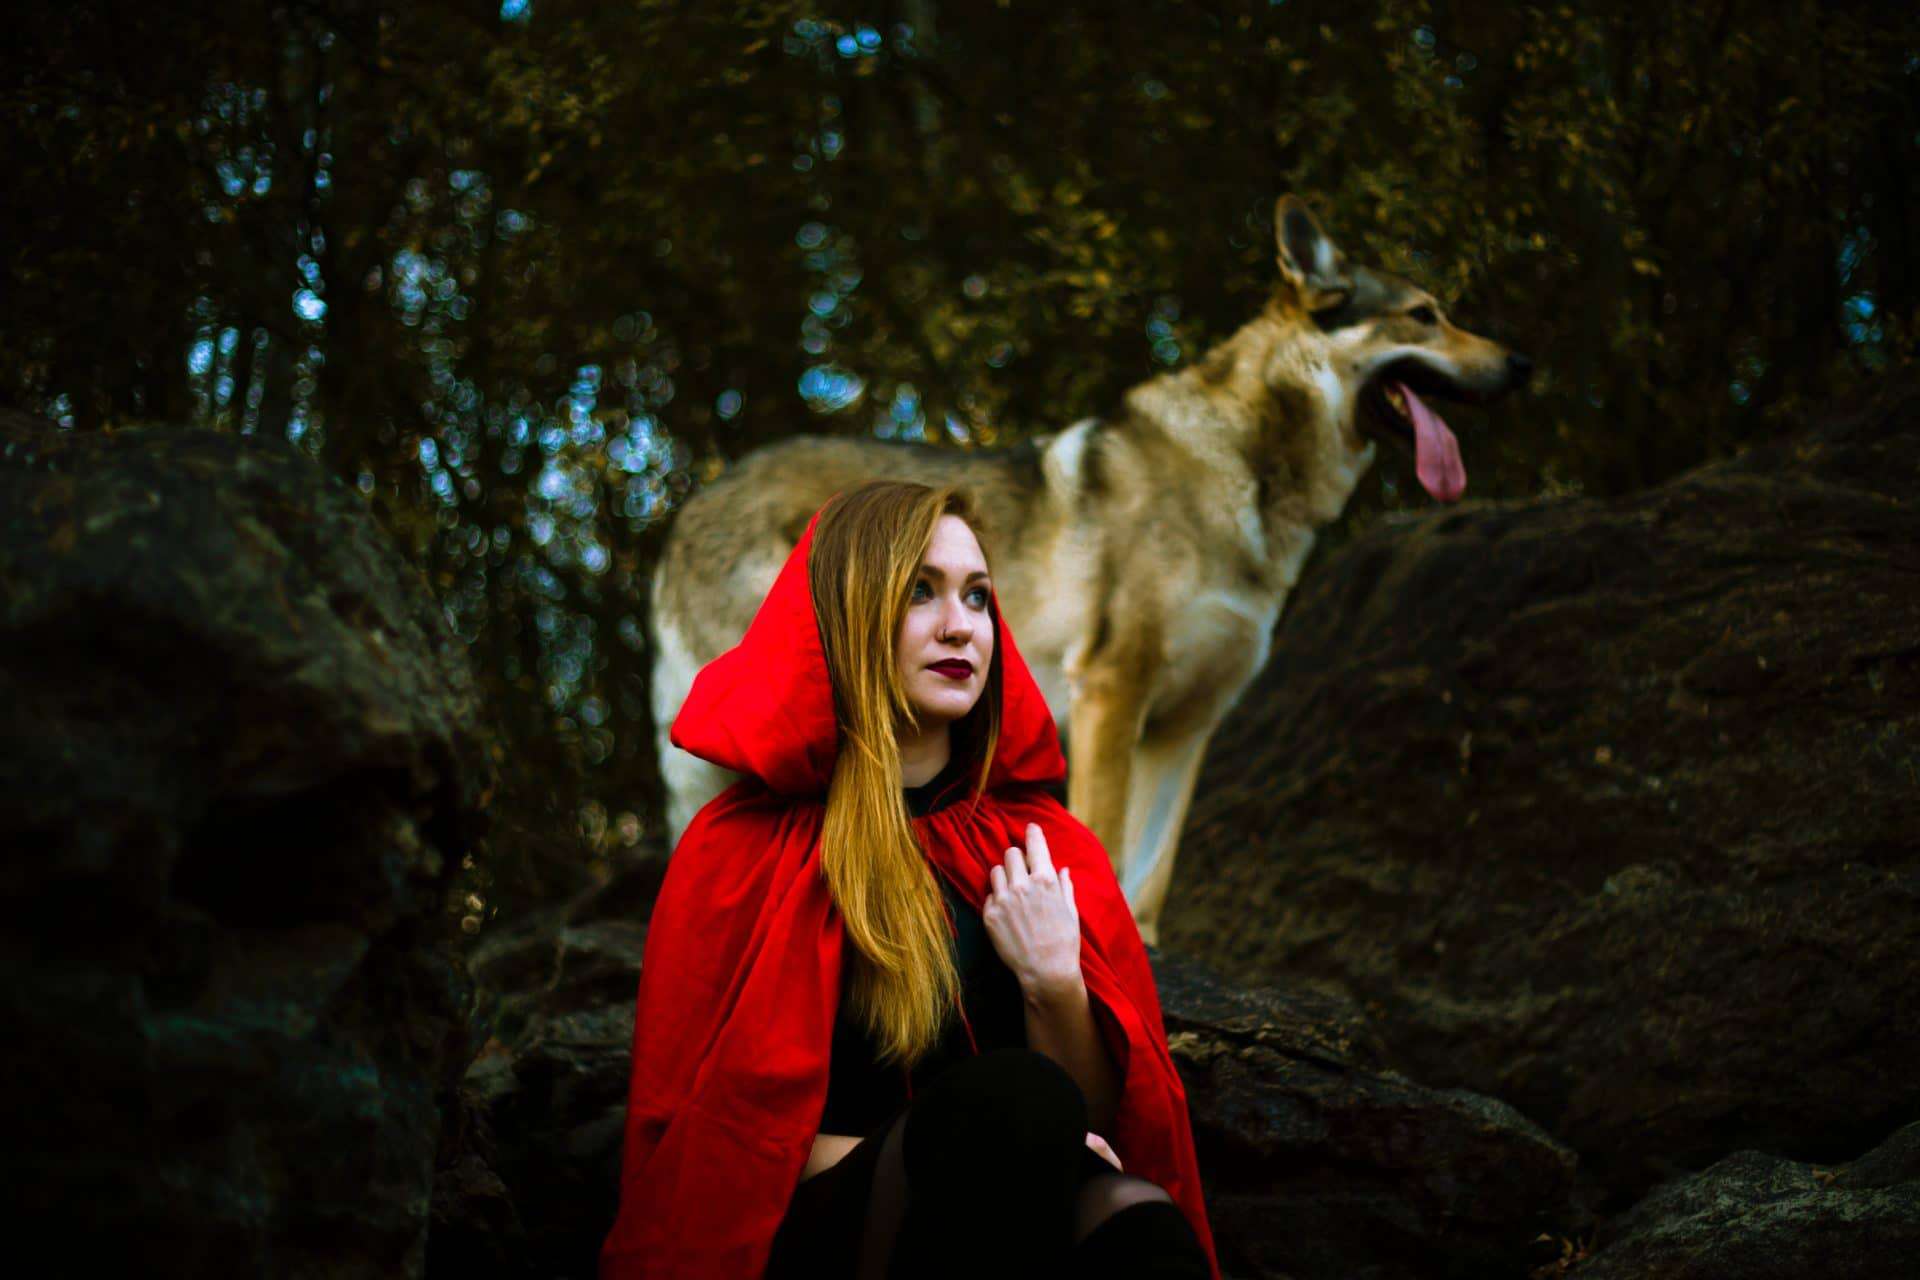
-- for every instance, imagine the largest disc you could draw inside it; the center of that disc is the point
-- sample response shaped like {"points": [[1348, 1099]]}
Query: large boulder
{"points": [[543, 1107], [240, 765], [1758, 1217], [1318, 1159], [1605, 808]]}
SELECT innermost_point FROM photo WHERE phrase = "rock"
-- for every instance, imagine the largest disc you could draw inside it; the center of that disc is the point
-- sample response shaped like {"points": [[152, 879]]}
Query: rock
{"points": [[1604, 808], [241, 765], [1320, 1161], [1759, 1217], [542, 1109]]}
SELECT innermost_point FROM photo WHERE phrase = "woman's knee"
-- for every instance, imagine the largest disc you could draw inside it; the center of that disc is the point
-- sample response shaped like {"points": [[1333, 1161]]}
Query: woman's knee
{"points": [[1104, 1195], [1142, 1233]]}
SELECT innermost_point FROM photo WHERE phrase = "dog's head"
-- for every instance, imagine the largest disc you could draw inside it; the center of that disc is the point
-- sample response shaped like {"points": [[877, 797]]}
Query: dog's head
{"points": [[1389, 348]]}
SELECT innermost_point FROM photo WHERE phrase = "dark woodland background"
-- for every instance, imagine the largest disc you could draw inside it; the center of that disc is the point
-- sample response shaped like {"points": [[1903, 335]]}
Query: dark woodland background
{"points": [[524, 274], [1550, 905]]}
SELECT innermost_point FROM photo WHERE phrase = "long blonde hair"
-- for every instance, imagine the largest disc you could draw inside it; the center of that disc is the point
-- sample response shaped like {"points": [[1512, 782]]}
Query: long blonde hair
{"points": [[868, 546]]}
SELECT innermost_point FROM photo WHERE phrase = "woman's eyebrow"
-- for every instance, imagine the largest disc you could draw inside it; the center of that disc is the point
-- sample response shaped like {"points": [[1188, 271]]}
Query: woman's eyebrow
{"points": [[933, 571]]}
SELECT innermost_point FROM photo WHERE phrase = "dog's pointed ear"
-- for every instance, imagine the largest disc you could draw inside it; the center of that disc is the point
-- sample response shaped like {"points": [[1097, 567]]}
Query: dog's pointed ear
{"points": [[1309, 261]]}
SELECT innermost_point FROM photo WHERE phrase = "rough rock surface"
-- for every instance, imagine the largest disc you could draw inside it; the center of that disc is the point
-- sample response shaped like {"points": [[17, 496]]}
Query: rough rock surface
{"points": [[1759, 1217], [1605, 808], [1320, 1161], [542, 1109], [530, 1169], [239, 764]]}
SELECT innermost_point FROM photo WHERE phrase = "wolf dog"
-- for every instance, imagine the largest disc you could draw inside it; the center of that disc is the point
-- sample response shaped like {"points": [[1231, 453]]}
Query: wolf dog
{"points": [[1141, 558]]}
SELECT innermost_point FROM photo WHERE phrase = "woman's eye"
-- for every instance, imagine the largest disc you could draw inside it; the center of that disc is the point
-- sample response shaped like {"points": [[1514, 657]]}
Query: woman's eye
{"points": [[980, 593], [1424, 315], [919, 587]]}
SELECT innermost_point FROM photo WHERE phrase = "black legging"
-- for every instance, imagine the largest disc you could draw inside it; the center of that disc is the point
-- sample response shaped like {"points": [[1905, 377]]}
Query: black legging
{"points": [[985, 1173]]}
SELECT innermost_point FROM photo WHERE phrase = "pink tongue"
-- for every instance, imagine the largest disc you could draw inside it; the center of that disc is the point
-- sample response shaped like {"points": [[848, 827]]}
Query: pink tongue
{"points": [[1436, 454]]}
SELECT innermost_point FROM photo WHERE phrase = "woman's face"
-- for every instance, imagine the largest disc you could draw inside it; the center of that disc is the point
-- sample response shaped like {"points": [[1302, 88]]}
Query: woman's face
{"points": [[946, 638]]}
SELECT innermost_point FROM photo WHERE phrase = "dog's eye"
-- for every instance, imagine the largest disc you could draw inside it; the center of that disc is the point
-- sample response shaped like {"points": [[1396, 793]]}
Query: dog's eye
{"points": [[1424, 315]]}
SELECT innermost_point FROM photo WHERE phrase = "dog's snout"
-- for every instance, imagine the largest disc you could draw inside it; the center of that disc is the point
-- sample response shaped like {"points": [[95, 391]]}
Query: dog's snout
{"points": [[1519, 368]]}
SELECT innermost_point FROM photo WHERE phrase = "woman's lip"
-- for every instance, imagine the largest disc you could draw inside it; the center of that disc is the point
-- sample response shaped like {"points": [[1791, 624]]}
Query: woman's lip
{"points": [[955, 670]]}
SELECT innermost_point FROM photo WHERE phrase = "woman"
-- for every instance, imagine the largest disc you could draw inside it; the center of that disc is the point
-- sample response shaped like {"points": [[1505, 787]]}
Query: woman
{"points": [[894, 1016]]}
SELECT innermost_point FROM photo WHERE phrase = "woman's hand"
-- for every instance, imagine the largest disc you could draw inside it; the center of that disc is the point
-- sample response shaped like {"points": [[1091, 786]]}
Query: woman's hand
{"points": [[1101, 1149], [1031, 918]]}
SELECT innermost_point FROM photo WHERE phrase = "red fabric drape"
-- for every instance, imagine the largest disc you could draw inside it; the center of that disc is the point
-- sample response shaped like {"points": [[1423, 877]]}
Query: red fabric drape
{"points": [[740, 980]]}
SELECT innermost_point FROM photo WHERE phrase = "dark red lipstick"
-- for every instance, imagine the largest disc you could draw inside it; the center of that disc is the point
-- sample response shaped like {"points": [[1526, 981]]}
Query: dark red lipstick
{"points": [[952, 668]]}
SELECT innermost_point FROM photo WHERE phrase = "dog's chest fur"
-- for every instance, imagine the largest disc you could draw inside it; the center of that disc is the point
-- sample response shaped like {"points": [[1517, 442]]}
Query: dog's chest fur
{"points": [[1185, 568]]}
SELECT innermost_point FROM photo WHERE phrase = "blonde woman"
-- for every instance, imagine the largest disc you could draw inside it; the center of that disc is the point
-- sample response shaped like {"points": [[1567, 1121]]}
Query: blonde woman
{"points": [[894, 1015]]}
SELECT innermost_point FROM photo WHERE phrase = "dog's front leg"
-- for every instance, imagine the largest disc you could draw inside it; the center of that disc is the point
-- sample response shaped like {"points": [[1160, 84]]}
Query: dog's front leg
{"points": [[1109, 705], [1160, 788]]}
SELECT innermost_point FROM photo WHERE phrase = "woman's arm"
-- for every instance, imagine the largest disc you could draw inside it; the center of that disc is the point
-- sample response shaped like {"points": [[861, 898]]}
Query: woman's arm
{"points": [[829, 1149], [1031, 917], [1060, 1024]]}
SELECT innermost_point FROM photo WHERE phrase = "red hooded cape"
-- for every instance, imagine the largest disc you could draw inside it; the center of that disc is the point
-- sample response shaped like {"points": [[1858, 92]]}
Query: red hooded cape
{"points": [[740, 980]]}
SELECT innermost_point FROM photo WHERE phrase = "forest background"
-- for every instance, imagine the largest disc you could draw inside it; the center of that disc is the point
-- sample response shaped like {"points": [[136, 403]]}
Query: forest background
{"points": [[524, 274]]}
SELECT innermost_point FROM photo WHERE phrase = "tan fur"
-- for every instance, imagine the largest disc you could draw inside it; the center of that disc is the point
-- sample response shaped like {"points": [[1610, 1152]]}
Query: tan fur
{"points": [[1142, 561]]}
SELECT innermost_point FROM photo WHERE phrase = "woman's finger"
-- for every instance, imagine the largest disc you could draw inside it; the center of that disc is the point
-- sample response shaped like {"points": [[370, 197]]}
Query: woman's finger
{"points": [[1016, 866], [1100, 1148], [1066, 887], [998, 876], [1039, 857]]}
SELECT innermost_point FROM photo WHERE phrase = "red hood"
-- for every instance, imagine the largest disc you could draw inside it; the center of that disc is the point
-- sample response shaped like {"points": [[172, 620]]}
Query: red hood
{"points": [[765, 707]]}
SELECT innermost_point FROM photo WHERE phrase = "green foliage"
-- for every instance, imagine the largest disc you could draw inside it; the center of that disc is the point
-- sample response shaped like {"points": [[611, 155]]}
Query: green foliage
{"points": [[524, 280]]}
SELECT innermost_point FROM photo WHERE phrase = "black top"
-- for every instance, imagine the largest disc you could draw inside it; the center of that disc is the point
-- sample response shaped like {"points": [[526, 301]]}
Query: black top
{"points": [[862, 1094]]}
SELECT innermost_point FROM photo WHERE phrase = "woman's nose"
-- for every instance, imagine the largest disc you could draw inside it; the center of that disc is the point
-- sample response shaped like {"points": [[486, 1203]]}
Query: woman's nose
{"points": [[955, 626]]}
